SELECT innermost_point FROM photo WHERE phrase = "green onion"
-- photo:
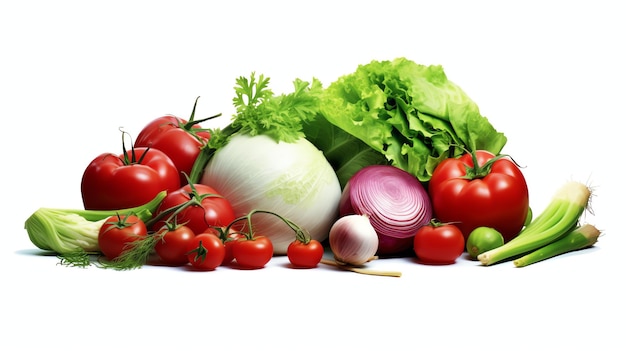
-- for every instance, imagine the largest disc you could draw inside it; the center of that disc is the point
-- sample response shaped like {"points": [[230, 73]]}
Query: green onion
{"points": [[577, 239], [559, 217]]}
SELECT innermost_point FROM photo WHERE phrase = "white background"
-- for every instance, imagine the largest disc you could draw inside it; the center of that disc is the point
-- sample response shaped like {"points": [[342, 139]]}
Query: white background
{"points": [[549, 74]]}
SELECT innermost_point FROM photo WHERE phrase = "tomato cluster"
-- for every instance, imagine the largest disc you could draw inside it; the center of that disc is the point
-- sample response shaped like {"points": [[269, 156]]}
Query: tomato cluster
{"points": [[121, 239], [160, 159], [193, 225], [187, 228]]}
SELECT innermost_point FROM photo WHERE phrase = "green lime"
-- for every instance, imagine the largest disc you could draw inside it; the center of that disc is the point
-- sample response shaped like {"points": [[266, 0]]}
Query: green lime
{"points": [[483, 239]]}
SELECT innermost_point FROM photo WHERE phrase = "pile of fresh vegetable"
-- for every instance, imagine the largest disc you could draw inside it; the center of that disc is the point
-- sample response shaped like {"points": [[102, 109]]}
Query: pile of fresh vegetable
{"points": [[392, 160]]}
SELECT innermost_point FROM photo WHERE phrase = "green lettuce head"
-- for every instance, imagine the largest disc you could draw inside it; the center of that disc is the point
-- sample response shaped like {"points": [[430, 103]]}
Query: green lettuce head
{"points": [[409, 113]]}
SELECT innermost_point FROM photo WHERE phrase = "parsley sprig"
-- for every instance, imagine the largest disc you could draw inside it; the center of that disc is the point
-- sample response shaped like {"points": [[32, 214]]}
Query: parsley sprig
{"points": [[260, 112]]}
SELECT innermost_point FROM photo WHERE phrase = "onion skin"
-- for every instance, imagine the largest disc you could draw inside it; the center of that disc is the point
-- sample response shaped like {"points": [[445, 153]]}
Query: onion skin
{"points": [[388, 245], [353, 240], [395, 201]]}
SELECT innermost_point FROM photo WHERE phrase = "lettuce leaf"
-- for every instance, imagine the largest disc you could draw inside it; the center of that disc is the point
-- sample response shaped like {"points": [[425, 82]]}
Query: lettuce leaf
{"points": [[345, 153], [409, 113]]}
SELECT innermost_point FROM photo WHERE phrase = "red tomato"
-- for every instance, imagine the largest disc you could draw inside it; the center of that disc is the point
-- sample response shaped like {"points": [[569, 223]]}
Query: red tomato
{"points": [[228, 239], [172, 248], [472, 197], [112, 182], [253, 253], [210, 210], [117, 232], [178, 138], [305, 255], [438, 244], [205, 252]]}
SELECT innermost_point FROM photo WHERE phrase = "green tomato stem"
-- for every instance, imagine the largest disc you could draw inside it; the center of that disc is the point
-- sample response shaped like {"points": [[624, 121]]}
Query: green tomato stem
{"points": [[301, 235]]}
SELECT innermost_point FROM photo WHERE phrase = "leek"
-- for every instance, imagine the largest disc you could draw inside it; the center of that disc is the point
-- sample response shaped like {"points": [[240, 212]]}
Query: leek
{"points": [[559, 217], [67, 231], [580, 238]]}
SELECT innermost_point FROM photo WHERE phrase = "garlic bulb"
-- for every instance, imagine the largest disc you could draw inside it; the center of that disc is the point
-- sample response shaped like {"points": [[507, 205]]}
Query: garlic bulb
{"points": [[353, 239]]}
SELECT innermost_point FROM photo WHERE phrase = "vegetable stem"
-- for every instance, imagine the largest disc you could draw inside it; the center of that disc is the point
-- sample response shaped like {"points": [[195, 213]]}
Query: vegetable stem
{"points": [[300, 233], [195, 199], [361, 270], [577, 239], [219, 138]]}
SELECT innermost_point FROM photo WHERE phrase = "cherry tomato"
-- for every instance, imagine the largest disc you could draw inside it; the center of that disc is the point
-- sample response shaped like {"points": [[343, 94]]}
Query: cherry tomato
{"points": [[493, 194], [172, 248], [205, 252], [437, 243], [305, 254], [118, 232], [228, 245], [178, 138], [253, 253], [211, 209], [112, 182], [228, 239]]}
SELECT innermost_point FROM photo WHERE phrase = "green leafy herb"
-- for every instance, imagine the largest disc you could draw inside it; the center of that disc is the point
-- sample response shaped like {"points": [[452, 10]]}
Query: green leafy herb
{"points": [[260, 112], [135, 254], [78, 258]]}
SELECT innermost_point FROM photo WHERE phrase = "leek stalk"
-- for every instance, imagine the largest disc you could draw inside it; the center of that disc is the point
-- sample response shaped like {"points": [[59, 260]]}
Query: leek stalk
{"points": [[580, 238], [560, 216]]}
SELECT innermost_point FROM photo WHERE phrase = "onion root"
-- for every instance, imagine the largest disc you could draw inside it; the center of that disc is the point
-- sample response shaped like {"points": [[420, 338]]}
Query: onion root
{"points": [[361, 270]]}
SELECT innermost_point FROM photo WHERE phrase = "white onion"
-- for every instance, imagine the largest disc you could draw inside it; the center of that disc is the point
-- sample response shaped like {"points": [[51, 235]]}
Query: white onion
{"points": [[353, 240], [293, 180]]}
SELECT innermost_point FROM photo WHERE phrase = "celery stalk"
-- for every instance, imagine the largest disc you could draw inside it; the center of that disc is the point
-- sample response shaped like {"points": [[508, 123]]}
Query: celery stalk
{"points": [[67, 231], [577, 239]]}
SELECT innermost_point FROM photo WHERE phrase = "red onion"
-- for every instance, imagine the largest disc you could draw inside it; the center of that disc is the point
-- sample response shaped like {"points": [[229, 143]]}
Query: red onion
{"points": [[395, 201]]}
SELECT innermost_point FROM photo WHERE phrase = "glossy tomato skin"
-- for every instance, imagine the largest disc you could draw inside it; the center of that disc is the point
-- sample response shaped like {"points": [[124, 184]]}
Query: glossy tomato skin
{"points": [[438, 244], [228, 246], [253, 253], [109, 183], [172, 249], [305, 255], [117, 232], [180, 142], [498, 200], [205, 252], [228, 239], [216, 211]]}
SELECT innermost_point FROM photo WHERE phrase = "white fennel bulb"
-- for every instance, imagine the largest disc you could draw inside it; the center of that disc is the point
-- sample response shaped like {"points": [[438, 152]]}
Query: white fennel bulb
{"points": [[293, 180]]}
